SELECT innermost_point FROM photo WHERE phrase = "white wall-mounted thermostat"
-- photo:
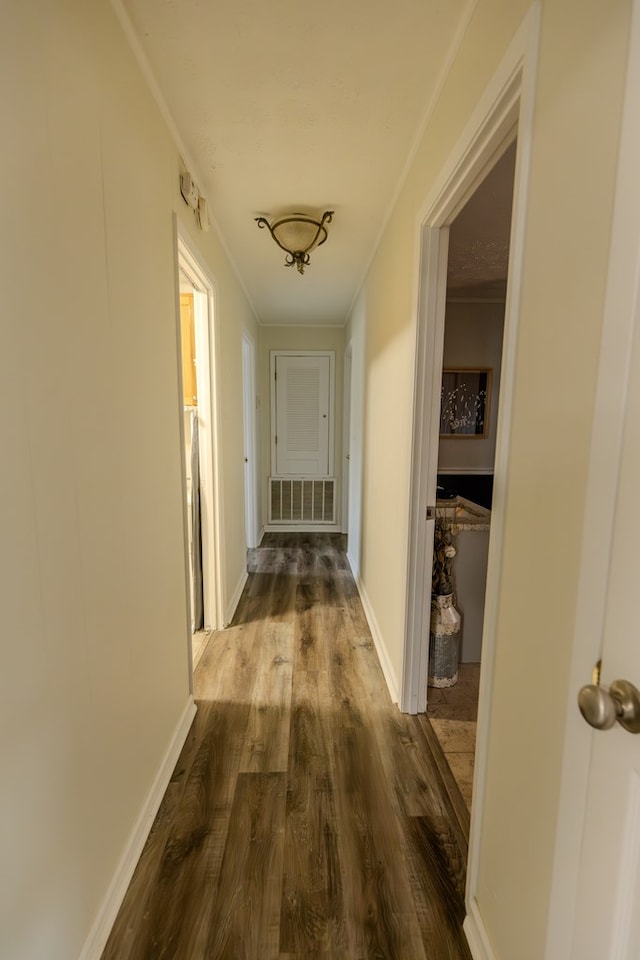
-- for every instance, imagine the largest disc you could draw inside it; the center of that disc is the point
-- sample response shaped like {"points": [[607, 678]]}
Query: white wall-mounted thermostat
{"points": [[189, 190]]}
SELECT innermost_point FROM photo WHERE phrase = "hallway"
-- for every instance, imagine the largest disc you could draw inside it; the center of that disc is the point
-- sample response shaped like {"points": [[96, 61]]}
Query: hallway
{"points": [[306, 816]]}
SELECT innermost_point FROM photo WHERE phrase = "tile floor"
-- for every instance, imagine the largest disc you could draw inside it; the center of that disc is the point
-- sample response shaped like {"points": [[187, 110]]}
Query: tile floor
{"points": [[199, 640], [453, 713]]}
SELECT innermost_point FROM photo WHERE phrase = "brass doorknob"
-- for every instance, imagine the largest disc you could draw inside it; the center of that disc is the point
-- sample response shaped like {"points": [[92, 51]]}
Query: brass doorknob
{"points": [[601, 708]]}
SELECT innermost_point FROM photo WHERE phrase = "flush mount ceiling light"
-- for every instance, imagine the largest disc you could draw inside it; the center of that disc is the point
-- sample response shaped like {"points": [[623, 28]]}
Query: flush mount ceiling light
{"points": [[298, 234]]}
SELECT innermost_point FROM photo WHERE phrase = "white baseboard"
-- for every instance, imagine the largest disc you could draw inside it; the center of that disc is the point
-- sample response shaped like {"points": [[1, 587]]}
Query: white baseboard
{"points": [[476, 934], [380, 646], [99, 933], [302, 528], [235, 599]]}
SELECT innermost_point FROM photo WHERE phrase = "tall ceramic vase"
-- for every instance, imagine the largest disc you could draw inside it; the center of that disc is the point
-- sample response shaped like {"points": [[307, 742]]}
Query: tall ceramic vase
{"points": [[443, 642]]}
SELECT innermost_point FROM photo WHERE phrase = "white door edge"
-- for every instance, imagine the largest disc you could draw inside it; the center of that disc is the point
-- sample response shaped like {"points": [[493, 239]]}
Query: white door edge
{"points": [[346, 439], [606, 447], [250, 446], [206, 349]]}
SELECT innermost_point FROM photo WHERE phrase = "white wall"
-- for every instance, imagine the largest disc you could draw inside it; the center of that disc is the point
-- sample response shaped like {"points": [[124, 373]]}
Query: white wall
{"points": [[93, 617], [473, 338], [298, 338], [579, 88]]}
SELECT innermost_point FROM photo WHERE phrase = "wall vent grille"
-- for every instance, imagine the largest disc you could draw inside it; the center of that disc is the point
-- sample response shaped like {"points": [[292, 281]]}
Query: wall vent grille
{"points": [[301, 500]]}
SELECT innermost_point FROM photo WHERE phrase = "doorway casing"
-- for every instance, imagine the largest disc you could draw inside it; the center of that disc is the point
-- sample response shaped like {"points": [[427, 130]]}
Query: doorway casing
{"points": [[346, 439], [250, 446], [504, 111], [206, 353], [574, 845]]}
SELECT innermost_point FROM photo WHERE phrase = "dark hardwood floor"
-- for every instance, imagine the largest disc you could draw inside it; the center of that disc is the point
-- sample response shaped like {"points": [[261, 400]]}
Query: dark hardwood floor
{"points": [[307, 817]]}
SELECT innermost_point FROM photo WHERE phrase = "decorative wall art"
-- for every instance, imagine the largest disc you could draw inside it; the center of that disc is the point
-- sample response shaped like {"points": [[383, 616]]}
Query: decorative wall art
{"points": [[464, 407]]}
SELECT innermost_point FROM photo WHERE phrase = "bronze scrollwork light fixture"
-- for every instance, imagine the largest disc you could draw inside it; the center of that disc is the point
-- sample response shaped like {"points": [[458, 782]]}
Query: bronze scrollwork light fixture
{"points": [[298, 234]]}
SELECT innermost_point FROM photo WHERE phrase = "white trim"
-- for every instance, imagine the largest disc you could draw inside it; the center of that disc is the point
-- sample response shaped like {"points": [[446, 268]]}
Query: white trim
{"points": [[235, 599], [476, 934], [525, 48], [302, 528], [381, 650], [429, 353], [357, 336], [203, 320], [249, 394], [106, 916], [606, 446], [507, 102], [208, 407], [345, 468], [183, 470]]}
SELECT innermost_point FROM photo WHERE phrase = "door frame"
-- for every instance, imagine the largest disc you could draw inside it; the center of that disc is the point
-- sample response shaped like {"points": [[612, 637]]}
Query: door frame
{"points": [[250, 446], [346, 438], [205, 329], [506, 105], [504, 111], [620, 309]]}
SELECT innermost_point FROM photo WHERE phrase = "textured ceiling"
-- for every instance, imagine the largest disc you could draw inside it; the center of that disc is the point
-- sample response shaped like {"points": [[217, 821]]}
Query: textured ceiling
{"points": [[286, 106], [479, 236]]}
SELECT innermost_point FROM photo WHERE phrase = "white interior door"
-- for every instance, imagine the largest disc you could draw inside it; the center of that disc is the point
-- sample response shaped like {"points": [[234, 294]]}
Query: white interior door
{"points": [[249, 423], [607, 916], [302, 415], [346, 439]]}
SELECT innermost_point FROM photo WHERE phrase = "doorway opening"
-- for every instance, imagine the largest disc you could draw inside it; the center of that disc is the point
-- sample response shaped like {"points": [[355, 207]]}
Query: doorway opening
{"points": [[250, 450], [200, 457], [477, 266], [346, 440]]}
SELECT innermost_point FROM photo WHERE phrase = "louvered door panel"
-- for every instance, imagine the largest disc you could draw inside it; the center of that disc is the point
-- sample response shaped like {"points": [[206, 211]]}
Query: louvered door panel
{"points": [[302, 415]]}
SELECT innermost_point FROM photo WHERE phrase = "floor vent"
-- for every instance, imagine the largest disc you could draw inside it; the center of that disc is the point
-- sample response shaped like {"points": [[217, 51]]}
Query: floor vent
{"points": [[302, 501]]}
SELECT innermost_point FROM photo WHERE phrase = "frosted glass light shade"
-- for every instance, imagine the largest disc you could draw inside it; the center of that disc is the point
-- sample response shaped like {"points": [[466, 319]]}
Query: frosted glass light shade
{"points": [[298, 234]]}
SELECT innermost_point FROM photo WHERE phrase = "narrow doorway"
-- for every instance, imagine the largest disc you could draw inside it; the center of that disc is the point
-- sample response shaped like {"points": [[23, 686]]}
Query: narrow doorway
{"points": [[197, 343], [191, 455], [346, 439], [250, 450], [477, 268]]}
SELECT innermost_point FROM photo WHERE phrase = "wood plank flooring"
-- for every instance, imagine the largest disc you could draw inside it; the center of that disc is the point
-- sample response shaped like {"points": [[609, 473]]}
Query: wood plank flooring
{"points": [[307, 817]]}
